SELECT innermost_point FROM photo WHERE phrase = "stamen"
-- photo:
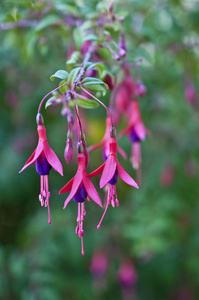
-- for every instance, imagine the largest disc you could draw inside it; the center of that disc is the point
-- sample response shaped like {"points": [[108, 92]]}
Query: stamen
{"points": [[82, 242], [48, 196], [107, 204], [41, 190]]}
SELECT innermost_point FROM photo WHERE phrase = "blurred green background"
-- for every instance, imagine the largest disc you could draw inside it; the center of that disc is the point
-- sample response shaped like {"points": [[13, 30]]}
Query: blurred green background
{"points": [[155, 228]]}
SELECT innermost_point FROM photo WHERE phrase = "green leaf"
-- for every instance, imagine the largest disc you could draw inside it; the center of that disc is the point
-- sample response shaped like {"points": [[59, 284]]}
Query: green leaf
{"points": [[66, 8], [75, 57], [92, 81], [47, 21], [90, 37], [87, 24], [122, 14], [53, 101], [83, 102], [72, 76], [94, 87], [97, 66], [64, 88], [61, 74]]}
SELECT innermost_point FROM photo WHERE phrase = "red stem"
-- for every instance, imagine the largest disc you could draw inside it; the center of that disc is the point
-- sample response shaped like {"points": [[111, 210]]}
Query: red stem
{"points": [[108, 111], [48, 95]]}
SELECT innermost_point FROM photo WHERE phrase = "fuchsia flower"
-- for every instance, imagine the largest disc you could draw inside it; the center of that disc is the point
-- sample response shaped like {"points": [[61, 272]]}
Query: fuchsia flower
{"points": [[44, 159], [80, 187], [110, 171], [137, 132], [105, 143]]}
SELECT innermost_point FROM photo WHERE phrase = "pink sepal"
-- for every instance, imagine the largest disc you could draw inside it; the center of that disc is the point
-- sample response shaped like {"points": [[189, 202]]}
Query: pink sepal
{"points": [[140, 130], [75, 185], [109, 170], [33, 157], [124, 131], [121, 152], [125, 176], [52, 158], [97, 171], [67, 187], [91, 190], [96, 146]]}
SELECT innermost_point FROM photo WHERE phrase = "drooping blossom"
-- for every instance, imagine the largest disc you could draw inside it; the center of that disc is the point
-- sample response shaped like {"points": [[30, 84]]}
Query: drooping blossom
{"points": [[110, 170], [44, 159], [190, 92], [80, 188], [167, 176], [125, 93], [136, 132], [98, 269], [104, 143], [127, 277]]}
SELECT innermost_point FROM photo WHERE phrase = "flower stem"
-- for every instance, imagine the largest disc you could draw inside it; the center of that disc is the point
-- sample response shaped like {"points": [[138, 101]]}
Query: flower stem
{"points": [[40, 105], [108, 111]]}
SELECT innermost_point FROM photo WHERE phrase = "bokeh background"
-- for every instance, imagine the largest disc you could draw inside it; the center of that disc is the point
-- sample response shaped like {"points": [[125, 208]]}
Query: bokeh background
{"points": [[148, 248]]}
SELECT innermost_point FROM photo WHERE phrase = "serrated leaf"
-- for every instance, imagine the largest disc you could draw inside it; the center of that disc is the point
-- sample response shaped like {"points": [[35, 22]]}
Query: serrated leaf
{"points": [[47, 21], [63, 88], [90, 37], [61, 74], [72, 76], [53, 101]]}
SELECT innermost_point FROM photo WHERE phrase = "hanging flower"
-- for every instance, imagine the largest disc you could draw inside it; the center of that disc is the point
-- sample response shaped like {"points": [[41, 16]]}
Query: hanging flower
{"points": [[80, 188], [44, 159], [136, 131], [104, 143], [110, 171]]}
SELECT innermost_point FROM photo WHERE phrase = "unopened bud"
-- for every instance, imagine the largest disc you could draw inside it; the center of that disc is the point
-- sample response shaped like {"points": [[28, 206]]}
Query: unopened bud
{"points": [[64, 112], [39, 119], [140, 89], [70, 118], [121, 19], [116, 56], [122, 43], [111, 7], [69, 152], [122, 52]]}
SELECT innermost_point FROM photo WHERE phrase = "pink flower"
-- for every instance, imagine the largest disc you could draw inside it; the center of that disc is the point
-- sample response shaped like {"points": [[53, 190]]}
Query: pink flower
{"points": [[44, 159], [136, 131], [110, 171], [80, 187], [105, 142]]}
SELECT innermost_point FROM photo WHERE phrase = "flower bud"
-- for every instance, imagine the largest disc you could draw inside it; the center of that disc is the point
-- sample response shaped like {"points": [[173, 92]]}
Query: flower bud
{"points": [[116, 56], [122, 98], [70, 118], [190, 93], [69, 152], [122, 43], [39, 119], [111, 7], [140, 89]]}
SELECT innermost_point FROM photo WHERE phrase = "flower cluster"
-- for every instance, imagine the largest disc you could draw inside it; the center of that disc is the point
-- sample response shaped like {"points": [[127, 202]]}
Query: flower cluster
{"points": [[72, 93]]}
